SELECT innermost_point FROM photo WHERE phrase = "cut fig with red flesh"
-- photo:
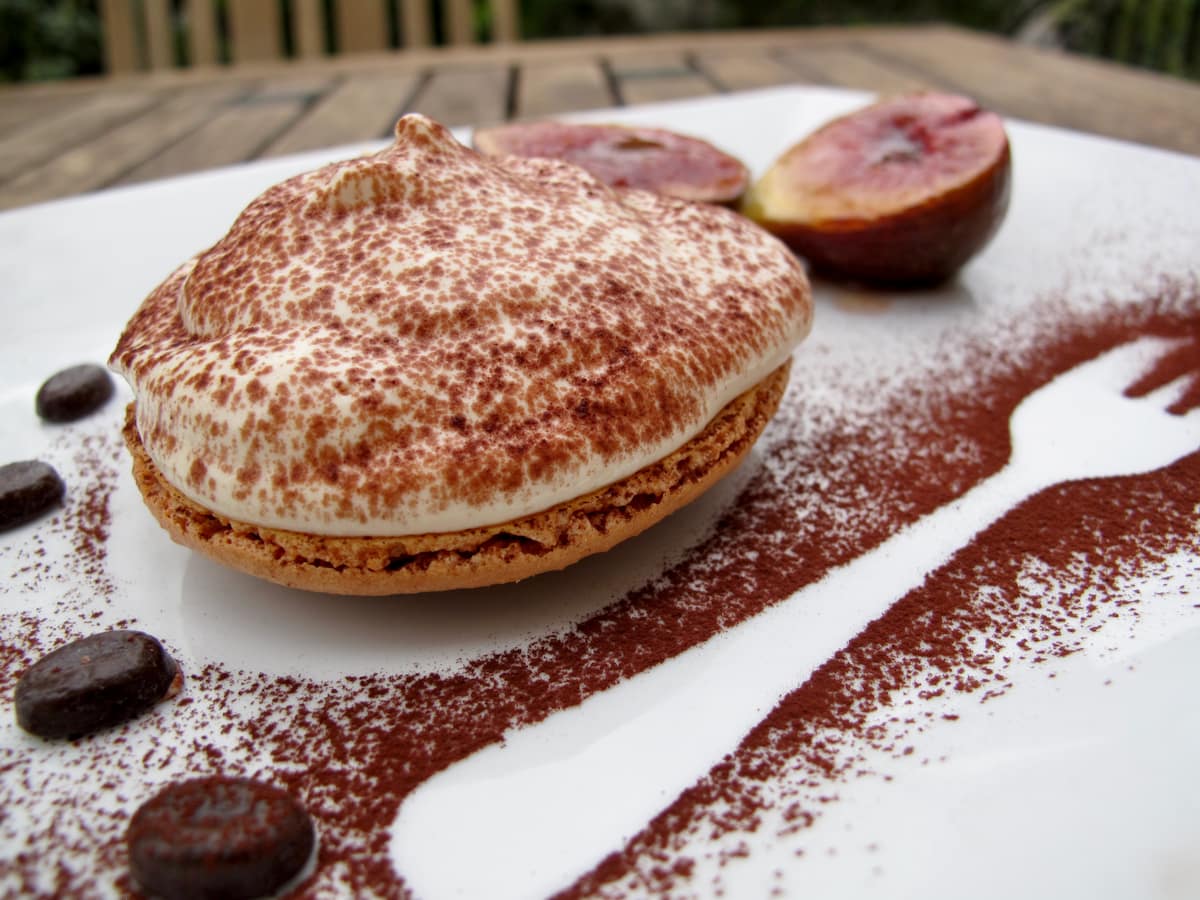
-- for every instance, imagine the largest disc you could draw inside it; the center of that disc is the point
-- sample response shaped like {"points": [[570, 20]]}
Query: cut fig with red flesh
{"points": [[903, 192], [625, 156]]}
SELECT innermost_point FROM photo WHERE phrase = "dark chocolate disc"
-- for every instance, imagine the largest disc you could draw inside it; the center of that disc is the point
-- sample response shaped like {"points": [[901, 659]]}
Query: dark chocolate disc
{"points": [[74, 393], [218, 837], [27, 489], [92, 683]]}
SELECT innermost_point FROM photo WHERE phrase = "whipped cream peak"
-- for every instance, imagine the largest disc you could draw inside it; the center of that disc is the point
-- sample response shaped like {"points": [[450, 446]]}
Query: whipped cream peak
{"points": [[425, 340], [352, 189], [401, 174]]}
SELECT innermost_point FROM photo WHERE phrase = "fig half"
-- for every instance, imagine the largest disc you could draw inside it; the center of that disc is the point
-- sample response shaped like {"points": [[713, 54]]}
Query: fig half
{"points": [[626, 156], [901, 193]]}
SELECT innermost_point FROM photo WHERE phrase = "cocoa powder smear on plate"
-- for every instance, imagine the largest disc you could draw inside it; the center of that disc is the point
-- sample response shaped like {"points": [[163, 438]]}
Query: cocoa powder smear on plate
{"points": [[832, 480]]}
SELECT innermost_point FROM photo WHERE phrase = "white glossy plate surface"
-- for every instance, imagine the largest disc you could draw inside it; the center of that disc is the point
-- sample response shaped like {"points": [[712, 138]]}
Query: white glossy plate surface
{"points": [[1083, 784]]}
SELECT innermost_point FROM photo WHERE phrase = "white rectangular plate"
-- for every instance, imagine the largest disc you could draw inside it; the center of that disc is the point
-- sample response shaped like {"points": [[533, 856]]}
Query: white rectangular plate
{"points": [[1077, 779]]}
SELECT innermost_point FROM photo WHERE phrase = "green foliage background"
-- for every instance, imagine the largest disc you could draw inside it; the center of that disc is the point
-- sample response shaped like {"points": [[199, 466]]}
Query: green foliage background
{"points": [[41, 39]]}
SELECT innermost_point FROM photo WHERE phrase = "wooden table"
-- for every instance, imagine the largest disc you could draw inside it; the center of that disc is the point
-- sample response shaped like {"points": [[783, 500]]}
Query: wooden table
{"points": [[61, 139]]}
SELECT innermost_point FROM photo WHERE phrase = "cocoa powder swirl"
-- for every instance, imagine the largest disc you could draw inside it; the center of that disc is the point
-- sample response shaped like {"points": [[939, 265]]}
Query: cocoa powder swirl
{"points": [[424, 340]]}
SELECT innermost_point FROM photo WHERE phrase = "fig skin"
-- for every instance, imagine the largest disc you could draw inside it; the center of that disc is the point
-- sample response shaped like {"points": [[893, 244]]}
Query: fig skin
{"points": [[902, 193], [627, 156]]}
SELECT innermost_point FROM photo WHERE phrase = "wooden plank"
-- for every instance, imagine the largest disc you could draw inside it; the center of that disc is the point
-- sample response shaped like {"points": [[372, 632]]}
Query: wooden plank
{"points": [[255, 30], [121, 51], [506, 21], [564, 50], [1057, 89], [236, 133], [466, 96], [416, 30], [742, 70], [460, 24], [107, 159], [297, 85], [308, 28], [550, 89], [361, 108], [47, 138], [20, 109], [160, 43], [648, 77], [201, 19], [1018, 91], [40, 123], [362, 26], [855, 66]]}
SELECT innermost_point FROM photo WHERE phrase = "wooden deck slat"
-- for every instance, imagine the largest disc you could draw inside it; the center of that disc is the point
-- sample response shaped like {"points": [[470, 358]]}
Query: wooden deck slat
{"points": [[516, 54], [459, 21], [467, 96], [308, 28], [58, 134], [362, 108], [506, 24], [416, 30], [201, 19], [362, 26], [552, 89], [849, 66], [297, 85], [106, 159], [235, 133], [160, 42], [1011, 89], [745, 69], [46, 139], [121, 53], [255, 30], [648, 77], [1049, 87], [19, 110]]}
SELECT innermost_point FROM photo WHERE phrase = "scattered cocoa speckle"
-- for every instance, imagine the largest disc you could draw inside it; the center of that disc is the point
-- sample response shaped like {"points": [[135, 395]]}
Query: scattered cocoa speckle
{"points": [[381, 304], [837, 477], [1024, 586]]}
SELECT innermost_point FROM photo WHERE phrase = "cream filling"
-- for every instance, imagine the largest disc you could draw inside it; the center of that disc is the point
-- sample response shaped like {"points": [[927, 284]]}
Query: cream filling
{"points": [[427, 514]]}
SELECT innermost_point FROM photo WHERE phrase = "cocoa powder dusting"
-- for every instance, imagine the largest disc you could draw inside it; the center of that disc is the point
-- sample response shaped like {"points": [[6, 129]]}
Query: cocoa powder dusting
{"points": [[65, 553], [573, 330], [1034, 587]]}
